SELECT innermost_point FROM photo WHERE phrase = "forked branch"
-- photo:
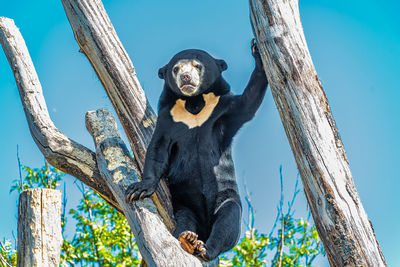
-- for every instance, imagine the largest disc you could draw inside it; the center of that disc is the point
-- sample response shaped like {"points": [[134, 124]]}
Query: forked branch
{"points": [[60, 151]]}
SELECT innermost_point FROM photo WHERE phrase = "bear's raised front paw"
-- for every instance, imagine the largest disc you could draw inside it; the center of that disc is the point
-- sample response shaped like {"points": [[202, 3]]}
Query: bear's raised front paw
{"points": [[254, 48], [256, 53], [139, 190]]}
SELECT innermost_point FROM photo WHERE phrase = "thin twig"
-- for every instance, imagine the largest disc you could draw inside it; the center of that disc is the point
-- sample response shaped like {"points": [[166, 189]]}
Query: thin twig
{"points": [[19, 167], [314, 256], [250, 208], [90, 215], [279, 206], [64, 205], [296, 191], [15, 239], [282, 241]]}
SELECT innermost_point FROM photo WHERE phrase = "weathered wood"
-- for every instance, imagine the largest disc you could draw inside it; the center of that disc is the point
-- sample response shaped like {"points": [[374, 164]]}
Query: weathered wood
{"points": [[98, 40], [339, 216], [157, 246], [60, 151], [39, 228]]}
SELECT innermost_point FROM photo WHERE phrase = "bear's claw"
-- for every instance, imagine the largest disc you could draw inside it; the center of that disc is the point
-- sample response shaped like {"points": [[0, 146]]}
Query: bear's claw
{"points": [[253, 45], [188, 241], [200, 250], [256, 53], [192, 245], [140, 190]]}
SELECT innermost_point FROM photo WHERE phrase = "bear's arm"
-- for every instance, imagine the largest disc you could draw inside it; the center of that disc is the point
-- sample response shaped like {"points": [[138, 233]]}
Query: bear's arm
{"points": [[243, 107], [155, 166], [156, 161]]}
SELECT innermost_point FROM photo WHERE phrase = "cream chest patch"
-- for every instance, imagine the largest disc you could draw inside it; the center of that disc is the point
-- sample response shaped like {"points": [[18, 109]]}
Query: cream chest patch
{"points": [[180, 114]]}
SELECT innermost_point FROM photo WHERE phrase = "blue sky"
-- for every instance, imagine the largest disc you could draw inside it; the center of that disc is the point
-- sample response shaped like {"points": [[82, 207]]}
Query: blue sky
{"points": [[355, 49]]}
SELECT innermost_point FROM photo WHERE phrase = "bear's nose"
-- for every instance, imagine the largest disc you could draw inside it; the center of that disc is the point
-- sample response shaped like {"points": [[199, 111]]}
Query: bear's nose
{"points": [[185, 77]]}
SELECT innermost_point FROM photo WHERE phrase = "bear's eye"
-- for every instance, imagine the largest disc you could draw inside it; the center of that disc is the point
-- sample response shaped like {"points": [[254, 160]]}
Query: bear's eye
{"points": [[175, 70], [199, 67]]}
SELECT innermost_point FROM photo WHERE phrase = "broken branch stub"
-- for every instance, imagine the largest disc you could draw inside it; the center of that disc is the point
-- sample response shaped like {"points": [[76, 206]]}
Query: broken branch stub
{"points": [[157, 246]]}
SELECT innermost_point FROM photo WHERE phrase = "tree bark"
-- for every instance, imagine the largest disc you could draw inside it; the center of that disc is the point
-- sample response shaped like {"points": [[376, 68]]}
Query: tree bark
{"points": [[63, 152], [39, 228], [60, 151], [340, 218], [98, 40], [157, 246]]}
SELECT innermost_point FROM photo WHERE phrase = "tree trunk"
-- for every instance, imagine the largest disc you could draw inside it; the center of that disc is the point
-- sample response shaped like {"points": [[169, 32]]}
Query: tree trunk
{"points": [[98, 40], [339, 216], [39, 228], [157, 246], [63, 152]]}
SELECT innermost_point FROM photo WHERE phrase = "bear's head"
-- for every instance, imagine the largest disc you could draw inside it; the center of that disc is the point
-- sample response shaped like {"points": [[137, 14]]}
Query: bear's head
{"points": [[192, 72]]}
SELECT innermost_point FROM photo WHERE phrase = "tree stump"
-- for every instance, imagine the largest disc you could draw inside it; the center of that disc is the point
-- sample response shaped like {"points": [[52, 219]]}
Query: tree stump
{"points": [[39, 228]]}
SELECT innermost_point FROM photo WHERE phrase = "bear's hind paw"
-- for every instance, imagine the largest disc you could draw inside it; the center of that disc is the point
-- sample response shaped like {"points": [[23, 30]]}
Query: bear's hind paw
{"points": [[188, 241], [200, 250]]}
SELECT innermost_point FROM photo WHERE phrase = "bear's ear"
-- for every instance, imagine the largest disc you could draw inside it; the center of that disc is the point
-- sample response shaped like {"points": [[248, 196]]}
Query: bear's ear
{"points": [[221, 65], [161, 72]]}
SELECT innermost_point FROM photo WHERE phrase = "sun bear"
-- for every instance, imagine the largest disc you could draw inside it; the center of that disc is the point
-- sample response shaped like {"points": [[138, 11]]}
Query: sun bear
{"points": [[191, 147]]}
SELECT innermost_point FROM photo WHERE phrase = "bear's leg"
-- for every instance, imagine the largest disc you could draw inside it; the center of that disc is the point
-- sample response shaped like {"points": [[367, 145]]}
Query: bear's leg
{"points": [[225, 231], [186, 226]]}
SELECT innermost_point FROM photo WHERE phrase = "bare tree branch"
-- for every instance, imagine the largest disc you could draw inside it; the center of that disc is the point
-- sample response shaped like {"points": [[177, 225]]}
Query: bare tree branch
{"points": [[62, 152], [98, 40], [157, 246], [340, 218]]}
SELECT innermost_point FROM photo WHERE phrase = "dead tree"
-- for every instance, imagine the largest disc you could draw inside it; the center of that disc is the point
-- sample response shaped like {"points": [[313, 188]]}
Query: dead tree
{"points": [[39, 228], [339, 216], [98, 40]]}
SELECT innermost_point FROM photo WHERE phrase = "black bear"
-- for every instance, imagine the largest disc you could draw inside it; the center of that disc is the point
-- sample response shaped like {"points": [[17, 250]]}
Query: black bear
{"points": [[191, 147]]}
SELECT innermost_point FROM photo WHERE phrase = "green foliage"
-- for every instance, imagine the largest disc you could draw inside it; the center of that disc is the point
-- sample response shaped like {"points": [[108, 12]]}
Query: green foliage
{"points": [[295, 243], [251, 251], [102, 234], [301, 241], [103, 237], [44, 177], [8, 255], [301, 246]]}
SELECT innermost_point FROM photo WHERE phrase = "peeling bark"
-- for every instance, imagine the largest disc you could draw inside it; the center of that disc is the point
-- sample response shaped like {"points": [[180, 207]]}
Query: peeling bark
{"points": [[39, 228], [340, 218]]}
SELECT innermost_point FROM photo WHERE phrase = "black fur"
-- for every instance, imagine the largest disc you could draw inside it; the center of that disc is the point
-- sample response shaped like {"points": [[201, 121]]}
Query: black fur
{"points": [[197, 162]]}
